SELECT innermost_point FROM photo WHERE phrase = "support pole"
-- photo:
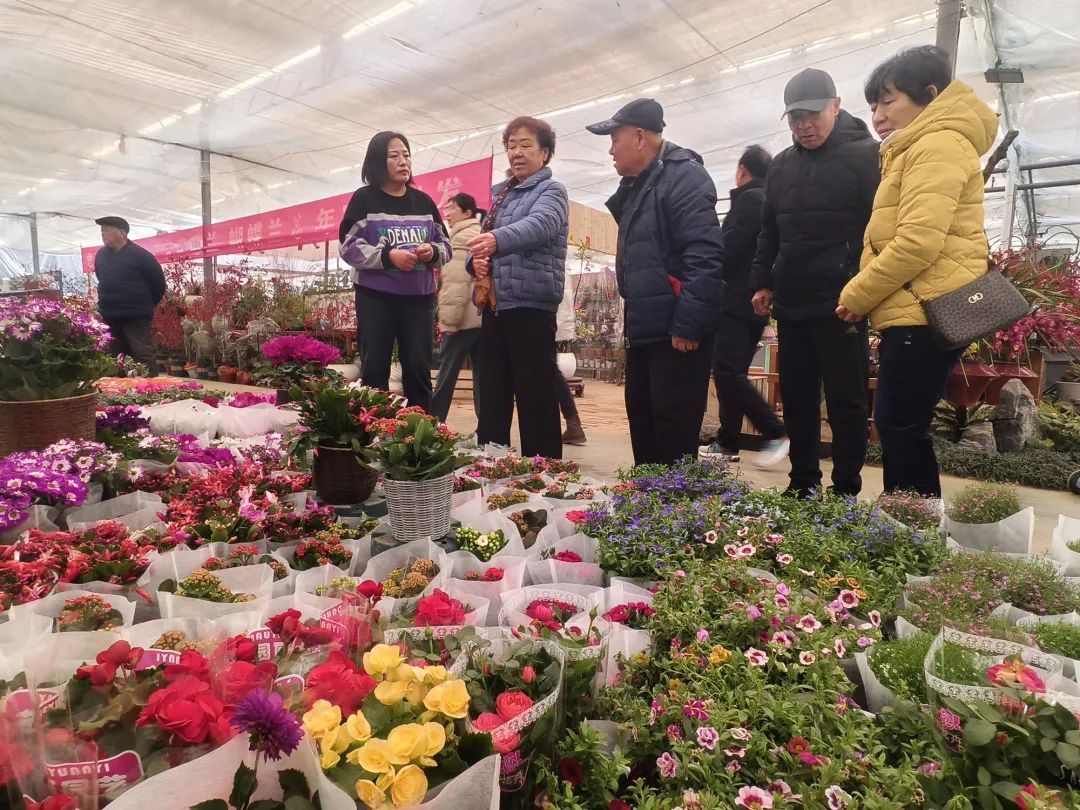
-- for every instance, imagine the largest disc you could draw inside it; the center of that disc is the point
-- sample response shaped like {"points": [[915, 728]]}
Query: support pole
{"points": [[204, 179], [34, 243], [948, 29]]}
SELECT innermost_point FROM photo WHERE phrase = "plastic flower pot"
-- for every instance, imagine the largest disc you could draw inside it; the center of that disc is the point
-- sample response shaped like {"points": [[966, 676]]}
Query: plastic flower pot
{"points": [[967, 383], [340, 477], [1011, 371]]}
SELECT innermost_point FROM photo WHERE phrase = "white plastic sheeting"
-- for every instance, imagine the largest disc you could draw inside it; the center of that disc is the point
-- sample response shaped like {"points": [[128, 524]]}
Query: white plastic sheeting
{"points": [[105, 103]]}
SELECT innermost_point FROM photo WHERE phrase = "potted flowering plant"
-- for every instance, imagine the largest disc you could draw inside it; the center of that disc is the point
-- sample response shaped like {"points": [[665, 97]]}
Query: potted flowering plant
{"points": [[290, 360], [417, 455], [338, 425], [50, 356]]}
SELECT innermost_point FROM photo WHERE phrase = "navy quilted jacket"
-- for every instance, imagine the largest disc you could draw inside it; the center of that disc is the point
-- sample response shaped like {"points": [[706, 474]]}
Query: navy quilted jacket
{"points": [[670, 251], [531, 230]]}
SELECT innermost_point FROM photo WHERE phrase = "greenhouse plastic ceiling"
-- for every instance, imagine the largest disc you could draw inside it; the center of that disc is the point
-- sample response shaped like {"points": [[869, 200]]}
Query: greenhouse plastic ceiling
{"points": [[105, 104]]}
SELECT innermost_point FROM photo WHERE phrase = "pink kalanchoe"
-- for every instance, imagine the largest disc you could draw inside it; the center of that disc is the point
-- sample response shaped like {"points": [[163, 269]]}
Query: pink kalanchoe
{"points": [[756, 657], [809, 623], [707, 737], [668, 765], [754, 798]]}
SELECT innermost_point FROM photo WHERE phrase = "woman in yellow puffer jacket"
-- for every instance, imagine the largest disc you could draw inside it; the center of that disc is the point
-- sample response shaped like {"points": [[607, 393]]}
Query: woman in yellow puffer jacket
{"points": [[926, 230]]}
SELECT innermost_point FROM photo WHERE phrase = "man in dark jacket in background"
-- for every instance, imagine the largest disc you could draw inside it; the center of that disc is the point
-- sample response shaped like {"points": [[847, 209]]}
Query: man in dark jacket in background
{"points": [[740, 327], [130, 285], [818, 197], [669, 270]]}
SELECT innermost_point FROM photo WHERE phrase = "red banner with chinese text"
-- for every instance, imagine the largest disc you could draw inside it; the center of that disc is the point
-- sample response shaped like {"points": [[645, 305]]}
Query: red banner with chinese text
{"points": [[303, 224]]}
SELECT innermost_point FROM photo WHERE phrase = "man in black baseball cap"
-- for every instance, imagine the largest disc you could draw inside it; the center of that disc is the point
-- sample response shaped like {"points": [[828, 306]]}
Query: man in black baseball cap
{"points": [[818, 196], [130, 285], [669, 270]]}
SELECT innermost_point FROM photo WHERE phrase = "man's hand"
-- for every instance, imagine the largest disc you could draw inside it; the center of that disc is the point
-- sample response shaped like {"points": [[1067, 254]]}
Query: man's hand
{"points": [[483, 246], [403, 259], [482, 267], [762, 302], [847, 316], [425, 252], [683, 345]]}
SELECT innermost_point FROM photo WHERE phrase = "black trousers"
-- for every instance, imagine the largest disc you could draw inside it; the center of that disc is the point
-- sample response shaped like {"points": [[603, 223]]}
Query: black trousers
{"points": [[912, 375], [566, 399], [455, 348], [132, 337], [383, 319], [825, 351], [733, 352], [517, 362], [666, 395]]}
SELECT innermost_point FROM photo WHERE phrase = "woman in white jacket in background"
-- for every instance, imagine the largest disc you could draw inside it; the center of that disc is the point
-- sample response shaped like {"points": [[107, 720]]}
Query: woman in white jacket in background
{"points": [[458, 318]]}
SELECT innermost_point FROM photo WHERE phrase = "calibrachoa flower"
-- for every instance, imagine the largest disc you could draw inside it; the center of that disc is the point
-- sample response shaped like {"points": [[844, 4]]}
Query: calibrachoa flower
{"points": [[274, 730], [707, 737], [738, 753], [798, 745], [674, 732], [837, 797], [756, 657], [695, 710], [668, 765], [740, 733], [754, 798], [784, 559], [807, 658], [808, 623]]}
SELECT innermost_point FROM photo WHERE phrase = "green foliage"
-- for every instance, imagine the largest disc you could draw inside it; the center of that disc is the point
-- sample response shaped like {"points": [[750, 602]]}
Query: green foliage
{"points": [[950, 421], [983, 503], [48, 367], [582, 773], [1058, 638], [338, 416], [1060, 424], [414, 447], [898, 664]]}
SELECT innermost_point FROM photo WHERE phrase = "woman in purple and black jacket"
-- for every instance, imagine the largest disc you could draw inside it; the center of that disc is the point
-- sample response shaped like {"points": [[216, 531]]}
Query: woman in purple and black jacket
{"points": [[392, 235]]}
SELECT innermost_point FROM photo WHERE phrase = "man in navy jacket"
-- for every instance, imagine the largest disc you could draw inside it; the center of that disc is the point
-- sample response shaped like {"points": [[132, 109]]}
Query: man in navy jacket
{"points": [[669, 270], [130, 285]]}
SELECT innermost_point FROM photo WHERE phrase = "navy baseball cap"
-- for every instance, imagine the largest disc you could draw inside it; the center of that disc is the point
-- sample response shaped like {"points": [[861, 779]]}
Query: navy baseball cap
{"points": [[645, 113]]}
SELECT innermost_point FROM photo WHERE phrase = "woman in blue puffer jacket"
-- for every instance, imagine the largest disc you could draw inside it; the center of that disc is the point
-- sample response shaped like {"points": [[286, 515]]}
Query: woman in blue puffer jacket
{"points": [[519, 260]]}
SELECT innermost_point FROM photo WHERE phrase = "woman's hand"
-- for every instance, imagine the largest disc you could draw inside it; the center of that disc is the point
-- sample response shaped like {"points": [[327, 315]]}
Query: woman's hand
{"points": [[482, 267], [847, 316], [403, 259], [425, 252], [483, 246]]}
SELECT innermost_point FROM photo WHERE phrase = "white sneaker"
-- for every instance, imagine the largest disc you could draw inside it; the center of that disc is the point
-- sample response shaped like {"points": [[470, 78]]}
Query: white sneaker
{"points": [[772, 454], [714, 450]]}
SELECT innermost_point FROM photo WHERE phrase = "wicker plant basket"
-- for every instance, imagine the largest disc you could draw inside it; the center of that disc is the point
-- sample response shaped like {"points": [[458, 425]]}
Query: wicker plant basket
{"points": [[38, 423], [340, 477], [419, 509]]}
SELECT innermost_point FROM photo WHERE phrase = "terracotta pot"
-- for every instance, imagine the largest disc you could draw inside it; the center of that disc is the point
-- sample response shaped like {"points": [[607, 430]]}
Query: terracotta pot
{"points": [[968, 382], [1011, 371], [243, 377]]}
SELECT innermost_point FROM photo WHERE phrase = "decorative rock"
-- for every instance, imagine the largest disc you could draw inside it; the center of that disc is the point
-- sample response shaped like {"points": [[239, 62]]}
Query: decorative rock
{"points": [[979, 437], [1014, 417]]}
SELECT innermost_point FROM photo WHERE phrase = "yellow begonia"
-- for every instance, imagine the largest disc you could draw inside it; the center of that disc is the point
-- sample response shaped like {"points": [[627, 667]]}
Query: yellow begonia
{"points": [[329, 757], [408, 741], [369, 794], [323, 717], [391, 693], [382, 658], [385, 780], [433, 676], [357, 728], [436, 738], [410, 787], [450, 698], [375, 756]]}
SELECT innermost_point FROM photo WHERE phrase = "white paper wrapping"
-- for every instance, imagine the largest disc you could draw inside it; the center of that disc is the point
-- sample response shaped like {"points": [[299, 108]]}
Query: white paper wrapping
{"points": [[314, 578], [587, 572], [185, 416], [253, 579], [382, 564], [462, 562], [257, 420], [582, 597], [1013, 534], [38, 517], [52, 605], [487, 522], [138, 508], [878, 696], [1066, 531]]}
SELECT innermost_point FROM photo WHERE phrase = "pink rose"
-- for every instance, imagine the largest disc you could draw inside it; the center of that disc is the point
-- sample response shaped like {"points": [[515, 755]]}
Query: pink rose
{"points": [[511, 704], [487, 722]]}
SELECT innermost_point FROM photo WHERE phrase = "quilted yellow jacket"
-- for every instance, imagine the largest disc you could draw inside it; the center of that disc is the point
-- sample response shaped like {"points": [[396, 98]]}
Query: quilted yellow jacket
{"points": [[927, 222]]}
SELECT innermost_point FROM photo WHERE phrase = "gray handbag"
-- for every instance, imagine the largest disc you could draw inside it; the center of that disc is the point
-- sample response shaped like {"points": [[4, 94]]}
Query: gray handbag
{"points": [[976, 310]]}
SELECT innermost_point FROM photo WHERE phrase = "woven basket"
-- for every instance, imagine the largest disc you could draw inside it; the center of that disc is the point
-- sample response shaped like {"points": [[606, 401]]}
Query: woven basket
{"points": [[38, 423], [340, 478], [419, 509]]}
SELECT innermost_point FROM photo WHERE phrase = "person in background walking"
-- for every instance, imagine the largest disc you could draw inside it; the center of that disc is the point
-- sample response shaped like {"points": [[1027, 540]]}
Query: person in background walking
{"points": [[130, 285], [669, 267], [740, 327], [519, 261], [818, 196], [392, 236], [565, 321], [458, 318], [925, 239]]}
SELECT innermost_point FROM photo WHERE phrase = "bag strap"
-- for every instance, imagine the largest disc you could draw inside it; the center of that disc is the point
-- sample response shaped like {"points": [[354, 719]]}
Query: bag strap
{"points": [[915, 295]]}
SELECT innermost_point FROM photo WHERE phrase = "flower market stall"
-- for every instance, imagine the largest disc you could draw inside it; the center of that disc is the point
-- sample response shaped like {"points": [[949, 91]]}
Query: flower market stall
{"points": [[219, 601]]}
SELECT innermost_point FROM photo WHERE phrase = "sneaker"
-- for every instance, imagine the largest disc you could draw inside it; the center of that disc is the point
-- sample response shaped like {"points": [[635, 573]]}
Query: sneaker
{"points": [[772, 454], [574, 434], [714, 450]]}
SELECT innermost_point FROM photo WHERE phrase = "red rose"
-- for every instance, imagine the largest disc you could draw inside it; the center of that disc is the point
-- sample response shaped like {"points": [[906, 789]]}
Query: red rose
{"points": [[120, 654], [241, 677], [191, 665], [186, 709], [439, 610], [340, 682], [528, 674], [487, 722], [511, 704], [570, 770], [240, 648], [370, 589], [541, 611]]}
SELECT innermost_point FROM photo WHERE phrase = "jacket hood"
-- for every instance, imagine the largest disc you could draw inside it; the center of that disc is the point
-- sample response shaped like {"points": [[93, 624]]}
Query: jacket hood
{"points": [[956, 109], [673, 152], [848, 128]]}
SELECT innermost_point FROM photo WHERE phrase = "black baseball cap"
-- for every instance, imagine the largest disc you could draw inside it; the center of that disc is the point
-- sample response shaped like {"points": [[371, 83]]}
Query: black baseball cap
{"points": [[811, 90], [641, 112], [114, 222]]}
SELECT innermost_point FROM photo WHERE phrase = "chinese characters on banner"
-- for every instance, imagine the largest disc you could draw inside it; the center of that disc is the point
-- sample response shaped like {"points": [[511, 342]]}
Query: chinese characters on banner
{"points": [[304, 224]]}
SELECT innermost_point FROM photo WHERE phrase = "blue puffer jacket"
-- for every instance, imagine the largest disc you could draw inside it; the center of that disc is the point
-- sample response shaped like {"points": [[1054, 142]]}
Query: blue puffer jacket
{"points": [[670, 251], [531, 230]]}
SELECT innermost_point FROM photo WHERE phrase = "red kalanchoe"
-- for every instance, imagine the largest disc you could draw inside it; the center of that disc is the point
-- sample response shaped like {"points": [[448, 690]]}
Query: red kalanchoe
{"points": [[439, 610]]}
